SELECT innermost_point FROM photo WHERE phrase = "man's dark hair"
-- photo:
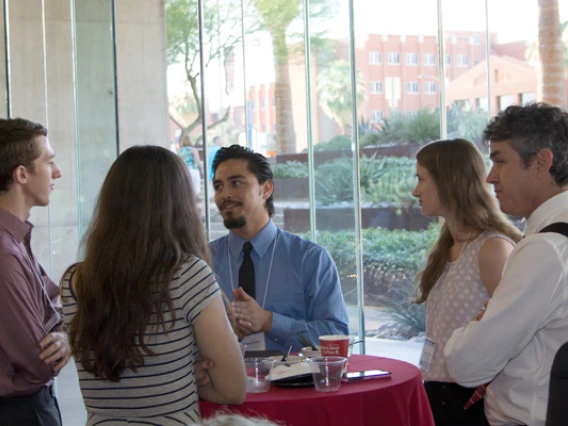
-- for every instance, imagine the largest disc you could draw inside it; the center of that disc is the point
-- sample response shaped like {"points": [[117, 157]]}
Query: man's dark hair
{"points": [[531, 128], [256, 163], [17, 147]]}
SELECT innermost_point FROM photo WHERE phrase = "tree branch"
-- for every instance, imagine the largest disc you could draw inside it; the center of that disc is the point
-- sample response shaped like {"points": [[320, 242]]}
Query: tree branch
{"points": [[176, 122], [221, 120]]}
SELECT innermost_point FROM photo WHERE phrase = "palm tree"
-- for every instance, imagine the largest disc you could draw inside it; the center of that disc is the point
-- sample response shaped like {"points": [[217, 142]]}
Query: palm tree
{"points": [[334, 87], [276, 16], [551, 77]]}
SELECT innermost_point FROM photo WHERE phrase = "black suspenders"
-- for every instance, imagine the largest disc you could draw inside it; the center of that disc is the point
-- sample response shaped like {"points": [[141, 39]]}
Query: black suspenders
{"points": [[558, 227]]}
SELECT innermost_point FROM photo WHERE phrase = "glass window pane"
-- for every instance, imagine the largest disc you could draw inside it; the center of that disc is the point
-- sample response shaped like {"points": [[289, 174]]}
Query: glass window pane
{"points": [[392, 126]]}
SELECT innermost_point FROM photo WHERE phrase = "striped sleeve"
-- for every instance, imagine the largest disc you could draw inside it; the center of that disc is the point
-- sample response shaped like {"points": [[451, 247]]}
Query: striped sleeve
{"points": [[68, 302], [197, 288]]}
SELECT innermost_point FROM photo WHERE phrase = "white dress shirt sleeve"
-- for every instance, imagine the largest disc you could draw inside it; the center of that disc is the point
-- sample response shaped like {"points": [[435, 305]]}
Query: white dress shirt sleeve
{"points": [[524, 302]]}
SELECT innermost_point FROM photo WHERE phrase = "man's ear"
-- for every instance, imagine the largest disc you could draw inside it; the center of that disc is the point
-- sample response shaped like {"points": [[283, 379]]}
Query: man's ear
{"points": [[267, 188], [543, 161], [20, 175]]}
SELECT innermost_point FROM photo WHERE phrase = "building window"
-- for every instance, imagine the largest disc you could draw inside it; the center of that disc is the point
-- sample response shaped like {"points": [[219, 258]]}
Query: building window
{"points": [[448, 59], [475, 39], [375, 58], [394, 58], [376, 87], [429, 59], [412, 87], [263, 103], [411, 113], [528, 97], [395, 114], [273, 127], [252, 105], [429, 87], [273, 102], [482, 104], [462, 61], [377, 116], [412, 59], [264, 128]]}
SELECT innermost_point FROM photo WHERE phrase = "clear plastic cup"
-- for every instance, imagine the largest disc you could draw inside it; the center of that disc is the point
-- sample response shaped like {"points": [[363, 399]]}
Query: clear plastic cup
{"points": [[327, 372], [258, 374]]}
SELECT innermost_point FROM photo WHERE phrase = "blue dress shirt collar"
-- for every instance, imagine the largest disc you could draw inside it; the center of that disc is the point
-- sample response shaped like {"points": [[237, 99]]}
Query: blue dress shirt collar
{"points": [[260, 242]]}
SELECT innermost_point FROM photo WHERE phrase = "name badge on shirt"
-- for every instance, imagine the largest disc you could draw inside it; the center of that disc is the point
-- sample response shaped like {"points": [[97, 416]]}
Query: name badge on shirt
{"points": [[427, 354], [255, 342]]}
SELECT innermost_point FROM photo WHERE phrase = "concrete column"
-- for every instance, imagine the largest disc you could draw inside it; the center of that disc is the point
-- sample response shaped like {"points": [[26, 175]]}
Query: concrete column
{"points": [[141, 73], [42, 90], [84, 135], [95, 100]]}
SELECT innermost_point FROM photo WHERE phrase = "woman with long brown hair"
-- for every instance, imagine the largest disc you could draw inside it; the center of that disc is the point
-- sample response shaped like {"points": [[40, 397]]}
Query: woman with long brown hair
{"points": [[463, 268], [144, 304]]}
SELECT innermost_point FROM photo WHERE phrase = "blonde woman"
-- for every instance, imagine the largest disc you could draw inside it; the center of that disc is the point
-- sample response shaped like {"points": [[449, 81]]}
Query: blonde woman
{"points": [[463, 268]]}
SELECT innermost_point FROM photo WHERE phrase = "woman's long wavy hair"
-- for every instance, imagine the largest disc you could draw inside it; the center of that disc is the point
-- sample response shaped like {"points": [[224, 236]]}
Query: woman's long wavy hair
{"points": [[145, 225], [459, 172]]}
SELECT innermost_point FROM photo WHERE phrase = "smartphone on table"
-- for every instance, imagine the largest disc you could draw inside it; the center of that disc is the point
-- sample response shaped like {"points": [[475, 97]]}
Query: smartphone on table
{"points": [[353, 376]]}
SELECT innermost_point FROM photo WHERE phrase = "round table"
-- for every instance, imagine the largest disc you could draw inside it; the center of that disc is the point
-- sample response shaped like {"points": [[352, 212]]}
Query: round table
{"points": [[399, 400]]}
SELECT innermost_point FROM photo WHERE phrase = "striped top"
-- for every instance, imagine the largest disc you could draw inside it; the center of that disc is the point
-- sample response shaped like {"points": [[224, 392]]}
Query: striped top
{"points": [[163, 391]]}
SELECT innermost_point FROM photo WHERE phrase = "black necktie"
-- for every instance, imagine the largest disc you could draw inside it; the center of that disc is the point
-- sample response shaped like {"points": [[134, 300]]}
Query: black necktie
{"points": [[246, 272]]}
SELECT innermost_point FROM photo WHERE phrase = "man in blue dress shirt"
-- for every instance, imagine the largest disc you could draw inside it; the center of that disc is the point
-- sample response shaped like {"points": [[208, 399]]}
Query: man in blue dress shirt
{"points": [[296, 284]]}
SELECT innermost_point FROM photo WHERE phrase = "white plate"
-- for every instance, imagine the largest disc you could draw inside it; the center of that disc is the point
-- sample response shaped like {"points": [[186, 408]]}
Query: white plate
{"points": [[295, 368], [308, 352], [291, 359]]}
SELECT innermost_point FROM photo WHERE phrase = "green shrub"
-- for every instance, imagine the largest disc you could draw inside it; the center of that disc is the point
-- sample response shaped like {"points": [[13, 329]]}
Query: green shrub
{"points": [[386, 180], [397, 250], [398, 303], [395, 184], [336, 143], [467, 124], [422, 127], [369, 139], [391, 260], [365, 127], [290, 169], [334, 180]]}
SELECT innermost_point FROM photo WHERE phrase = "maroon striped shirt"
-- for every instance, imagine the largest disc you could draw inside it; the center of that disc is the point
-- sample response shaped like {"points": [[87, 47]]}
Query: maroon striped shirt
{"points": [[29, 309]]}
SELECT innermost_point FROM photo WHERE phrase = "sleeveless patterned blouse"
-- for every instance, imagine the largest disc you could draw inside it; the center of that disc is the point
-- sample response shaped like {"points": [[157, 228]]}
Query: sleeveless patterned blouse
{"points": [[455, 299]]}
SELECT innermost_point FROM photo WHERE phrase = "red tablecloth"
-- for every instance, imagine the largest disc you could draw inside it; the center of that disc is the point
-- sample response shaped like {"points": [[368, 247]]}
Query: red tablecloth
{"points": [[396, 401]]}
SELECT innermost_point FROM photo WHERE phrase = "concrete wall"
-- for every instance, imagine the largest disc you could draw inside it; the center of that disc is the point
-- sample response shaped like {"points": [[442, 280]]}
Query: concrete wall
{"points": [[92, 107], [74, 94], [141, 73]]}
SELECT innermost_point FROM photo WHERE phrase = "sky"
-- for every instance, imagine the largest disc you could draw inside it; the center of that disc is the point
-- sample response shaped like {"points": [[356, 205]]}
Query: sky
{"points": [[511, 19]]}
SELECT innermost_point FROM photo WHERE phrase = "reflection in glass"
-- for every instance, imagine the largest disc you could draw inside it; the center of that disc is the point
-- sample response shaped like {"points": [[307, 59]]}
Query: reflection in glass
{"points": [[95, 99]]}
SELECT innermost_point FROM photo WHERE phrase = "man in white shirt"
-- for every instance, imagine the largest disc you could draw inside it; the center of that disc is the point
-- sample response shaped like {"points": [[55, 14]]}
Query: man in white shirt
{"points": [[526, 320]]}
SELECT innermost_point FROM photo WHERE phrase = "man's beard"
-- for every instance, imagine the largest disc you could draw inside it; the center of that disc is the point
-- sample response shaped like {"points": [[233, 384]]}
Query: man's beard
{"points": [[235, 222]]}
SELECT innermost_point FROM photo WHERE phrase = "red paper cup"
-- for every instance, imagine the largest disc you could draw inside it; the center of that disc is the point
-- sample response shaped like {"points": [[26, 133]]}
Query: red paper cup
{"points": [[334, 345]]}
